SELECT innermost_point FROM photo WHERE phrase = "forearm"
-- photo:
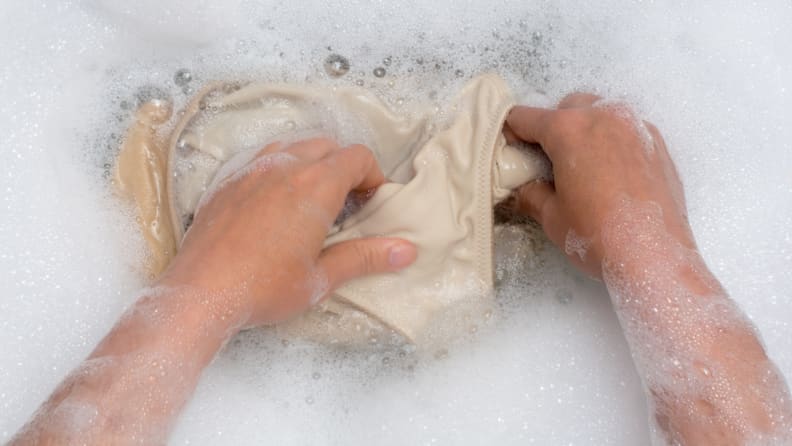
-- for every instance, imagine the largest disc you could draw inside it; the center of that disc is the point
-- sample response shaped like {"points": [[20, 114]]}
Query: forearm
{"points": [[133, 385], [707, 374]]}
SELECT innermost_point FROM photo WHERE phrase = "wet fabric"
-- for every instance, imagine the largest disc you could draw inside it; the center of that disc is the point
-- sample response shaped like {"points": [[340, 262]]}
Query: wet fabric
{"points": [[447, 168], [141, 172]]}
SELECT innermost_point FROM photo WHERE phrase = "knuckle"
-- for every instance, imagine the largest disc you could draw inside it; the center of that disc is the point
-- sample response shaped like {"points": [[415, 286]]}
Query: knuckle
{"points": [[360, 151], [578, 99], [367, 156], [269, 149], [307, 178], [312, 142], [325, 142], [617, 115], [367, 256], [655, 132], [567, 121], [569, 99]]}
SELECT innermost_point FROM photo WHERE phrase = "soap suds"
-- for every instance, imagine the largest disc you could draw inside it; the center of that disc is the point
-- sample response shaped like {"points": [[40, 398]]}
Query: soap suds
{"points": [[674, 317], [574, 244], [713, 76]]}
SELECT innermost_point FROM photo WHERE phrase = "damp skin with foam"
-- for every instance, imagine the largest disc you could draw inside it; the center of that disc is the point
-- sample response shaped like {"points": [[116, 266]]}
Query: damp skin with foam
{"points": [[555, 370]]}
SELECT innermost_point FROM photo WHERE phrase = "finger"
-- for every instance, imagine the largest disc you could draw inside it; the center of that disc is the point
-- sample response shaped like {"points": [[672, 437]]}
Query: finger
{"points": [[528, 123], [269, 149], [509, 134], [329, 181], [361, 257], [312, 149], [357, 168], [657, 138], [578, 100], [532, 200], [661, 149], [671, 172], [249, 165]]}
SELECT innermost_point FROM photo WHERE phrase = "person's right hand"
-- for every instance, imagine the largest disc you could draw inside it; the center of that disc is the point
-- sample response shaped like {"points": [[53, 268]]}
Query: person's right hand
{"points": [[258, 242], [601, 155]]}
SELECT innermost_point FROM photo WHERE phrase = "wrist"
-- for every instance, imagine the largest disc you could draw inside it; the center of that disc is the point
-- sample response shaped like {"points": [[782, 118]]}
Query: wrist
{"points": [[199, 319], [640, 240]]}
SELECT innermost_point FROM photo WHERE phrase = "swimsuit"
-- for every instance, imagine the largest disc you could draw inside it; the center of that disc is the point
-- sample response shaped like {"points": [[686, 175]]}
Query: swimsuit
{"points": [[447, 171]]}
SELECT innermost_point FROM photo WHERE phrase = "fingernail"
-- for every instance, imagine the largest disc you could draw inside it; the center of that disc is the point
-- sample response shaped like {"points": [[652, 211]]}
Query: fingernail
{"points": [[401, 255]]}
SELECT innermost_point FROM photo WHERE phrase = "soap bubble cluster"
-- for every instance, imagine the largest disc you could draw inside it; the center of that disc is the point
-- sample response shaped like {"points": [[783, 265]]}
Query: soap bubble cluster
{"points": [[552, 365], [336, 65]]}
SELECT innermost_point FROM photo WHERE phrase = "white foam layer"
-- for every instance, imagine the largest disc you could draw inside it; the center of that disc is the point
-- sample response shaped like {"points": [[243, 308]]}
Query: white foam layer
{"points": [[555, 370]]}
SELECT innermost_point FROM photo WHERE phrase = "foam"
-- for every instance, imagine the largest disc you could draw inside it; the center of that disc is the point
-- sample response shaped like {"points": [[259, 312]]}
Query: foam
{"points": [[575, 244], [669, 323], [554, 368]]}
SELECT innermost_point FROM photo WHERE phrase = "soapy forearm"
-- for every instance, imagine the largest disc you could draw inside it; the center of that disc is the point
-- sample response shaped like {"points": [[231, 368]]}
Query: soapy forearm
{"points": [[133, 385], [617, 208], [228, 273], [708, 378]]}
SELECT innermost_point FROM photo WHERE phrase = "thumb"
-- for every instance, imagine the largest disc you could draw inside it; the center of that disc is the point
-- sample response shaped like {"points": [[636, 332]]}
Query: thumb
{"points": [[533, 200], [361, 257]]}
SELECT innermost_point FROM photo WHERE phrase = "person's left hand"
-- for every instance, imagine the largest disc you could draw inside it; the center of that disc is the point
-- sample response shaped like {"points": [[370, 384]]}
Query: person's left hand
{"points": [[256, 247]]}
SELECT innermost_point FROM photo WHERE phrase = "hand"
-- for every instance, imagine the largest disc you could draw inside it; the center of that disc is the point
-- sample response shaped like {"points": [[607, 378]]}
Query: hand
{"points": [[617, 208], [257, 244], [601, 154]]}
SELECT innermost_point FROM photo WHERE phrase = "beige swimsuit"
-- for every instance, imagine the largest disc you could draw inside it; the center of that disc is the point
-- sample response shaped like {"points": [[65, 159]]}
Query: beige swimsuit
{"points": [[447, 170]]}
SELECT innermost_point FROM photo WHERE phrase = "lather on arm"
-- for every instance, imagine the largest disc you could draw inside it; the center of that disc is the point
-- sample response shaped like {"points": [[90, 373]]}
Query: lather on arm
{"points": [[254, 255], [617, 209]]}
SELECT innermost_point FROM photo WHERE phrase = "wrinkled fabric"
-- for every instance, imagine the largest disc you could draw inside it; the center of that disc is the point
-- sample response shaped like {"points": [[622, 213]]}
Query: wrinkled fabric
{"points": [[140, 177], [447, 172]]}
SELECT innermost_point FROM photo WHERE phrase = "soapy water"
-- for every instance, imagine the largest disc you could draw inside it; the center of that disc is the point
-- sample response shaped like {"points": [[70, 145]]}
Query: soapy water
{"points": [[553, 368]]}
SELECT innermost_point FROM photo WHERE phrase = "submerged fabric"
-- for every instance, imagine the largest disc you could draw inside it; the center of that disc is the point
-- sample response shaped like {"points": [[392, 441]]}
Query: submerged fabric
{"points": [[446, 173], [140, 177]]}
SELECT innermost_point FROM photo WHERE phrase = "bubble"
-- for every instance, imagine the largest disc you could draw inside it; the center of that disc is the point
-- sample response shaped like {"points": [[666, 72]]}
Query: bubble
{"points": [[182, 146], [387, 61], [459, 73], [316, 375], [336, 65], [148, 93], [564, 295], [532, 335], [379, 72], [309, 400], [182, 77], [231, 87]]}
